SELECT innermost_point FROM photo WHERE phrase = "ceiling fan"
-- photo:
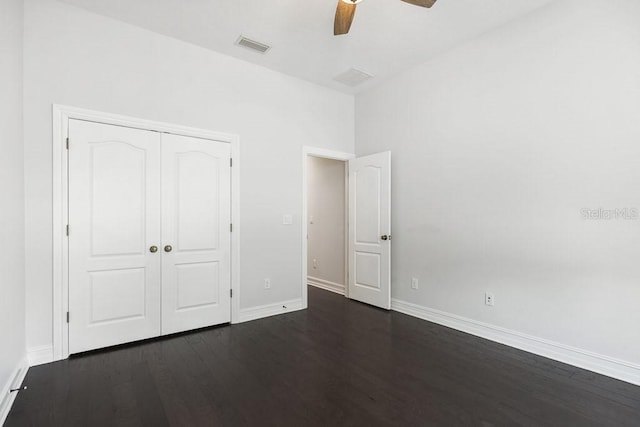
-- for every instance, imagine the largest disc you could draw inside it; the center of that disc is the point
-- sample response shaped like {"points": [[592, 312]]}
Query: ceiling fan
{"points": [[347, 9]]}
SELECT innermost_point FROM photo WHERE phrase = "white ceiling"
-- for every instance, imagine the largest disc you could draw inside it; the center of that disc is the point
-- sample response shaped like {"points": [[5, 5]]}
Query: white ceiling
{"points": [[387, 36]]}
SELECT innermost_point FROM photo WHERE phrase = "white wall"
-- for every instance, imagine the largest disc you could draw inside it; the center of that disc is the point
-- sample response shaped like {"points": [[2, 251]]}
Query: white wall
{"points": [[326, 219], [76, 58], [12, 290], [497, 146]]}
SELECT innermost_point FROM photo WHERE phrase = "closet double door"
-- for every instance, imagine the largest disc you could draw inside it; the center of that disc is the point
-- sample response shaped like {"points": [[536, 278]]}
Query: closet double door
{"points": [[149, 234]]}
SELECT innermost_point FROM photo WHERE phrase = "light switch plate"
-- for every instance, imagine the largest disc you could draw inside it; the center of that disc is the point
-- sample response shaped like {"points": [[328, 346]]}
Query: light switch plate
{"points": [[287, 219]]}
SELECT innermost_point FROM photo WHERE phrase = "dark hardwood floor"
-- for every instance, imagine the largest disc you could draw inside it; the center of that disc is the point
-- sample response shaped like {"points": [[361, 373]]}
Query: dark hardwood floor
{"points": [[338, 363]]}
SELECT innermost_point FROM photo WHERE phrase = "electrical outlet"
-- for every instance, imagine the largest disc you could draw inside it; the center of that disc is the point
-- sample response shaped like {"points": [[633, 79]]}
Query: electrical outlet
{"points": [[315, 263], [287, 219], [489, 299], [414, 283], [267, 283]]}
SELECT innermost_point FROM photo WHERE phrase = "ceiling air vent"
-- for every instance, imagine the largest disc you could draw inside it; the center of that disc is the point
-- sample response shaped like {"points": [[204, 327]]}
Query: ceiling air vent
{"points": [[252, 44], [352, 77]]}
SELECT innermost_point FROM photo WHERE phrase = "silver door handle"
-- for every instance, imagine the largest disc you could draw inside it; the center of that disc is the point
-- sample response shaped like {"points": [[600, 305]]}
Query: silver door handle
{"points": [[153, 249], [385, 237], [168, 248]]}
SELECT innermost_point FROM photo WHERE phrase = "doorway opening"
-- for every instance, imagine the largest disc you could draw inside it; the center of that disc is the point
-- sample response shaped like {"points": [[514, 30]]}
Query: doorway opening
{"points": [[364, 239], [327, 224], [324, 219]]}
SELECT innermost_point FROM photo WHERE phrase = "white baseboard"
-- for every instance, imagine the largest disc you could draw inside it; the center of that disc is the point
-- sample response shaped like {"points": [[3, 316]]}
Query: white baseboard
{"points": [[253, 313], [40, 355], [14, 382], [611, 367], [326, 285]]}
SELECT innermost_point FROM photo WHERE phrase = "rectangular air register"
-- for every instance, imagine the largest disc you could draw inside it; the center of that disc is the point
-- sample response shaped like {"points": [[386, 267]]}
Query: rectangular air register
{"points": [[252, 44], [352, 77]]}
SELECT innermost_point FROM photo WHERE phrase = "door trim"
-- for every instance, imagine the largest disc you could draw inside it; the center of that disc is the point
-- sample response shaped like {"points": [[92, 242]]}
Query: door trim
{"points": [[327, 154], [61, 115]]}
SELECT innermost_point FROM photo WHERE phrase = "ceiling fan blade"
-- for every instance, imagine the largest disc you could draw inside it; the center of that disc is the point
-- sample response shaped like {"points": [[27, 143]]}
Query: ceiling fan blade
{"points": [[423, 3], [344, 17]]}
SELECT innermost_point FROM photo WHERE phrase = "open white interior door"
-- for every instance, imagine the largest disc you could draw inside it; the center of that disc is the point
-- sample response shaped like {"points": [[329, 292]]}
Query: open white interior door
{"points": [[370, 229]]}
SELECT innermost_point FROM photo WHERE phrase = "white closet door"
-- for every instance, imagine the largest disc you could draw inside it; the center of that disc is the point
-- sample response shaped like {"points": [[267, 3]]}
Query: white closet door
{"points": [[114, 219], [196, 239]]}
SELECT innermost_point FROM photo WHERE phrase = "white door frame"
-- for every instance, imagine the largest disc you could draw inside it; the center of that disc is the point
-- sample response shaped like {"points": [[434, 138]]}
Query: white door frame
{"points": [[326, 154], [61, 116]]}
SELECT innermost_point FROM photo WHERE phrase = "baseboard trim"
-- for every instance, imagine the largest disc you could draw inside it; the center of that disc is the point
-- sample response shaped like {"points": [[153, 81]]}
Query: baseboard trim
{"points": [[326, 285], [611, 367], [8, 398], [261, 311], [40, 355]]}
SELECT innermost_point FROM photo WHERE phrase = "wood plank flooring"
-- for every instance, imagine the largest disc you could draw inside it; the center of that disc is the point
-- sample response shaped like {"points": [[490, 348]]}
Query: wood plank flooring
{"points": [[339, 363]]}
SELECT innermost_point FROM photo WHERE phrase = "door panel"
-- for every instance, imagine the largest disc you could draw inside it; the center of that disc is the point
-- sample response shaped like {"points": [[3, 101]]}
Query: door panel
{"points": [[367, 270], [369, 221], [113, 230], [367, 195], [197, 284], [196, 275], [197, 196], [114, 217], [116, 295]]}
